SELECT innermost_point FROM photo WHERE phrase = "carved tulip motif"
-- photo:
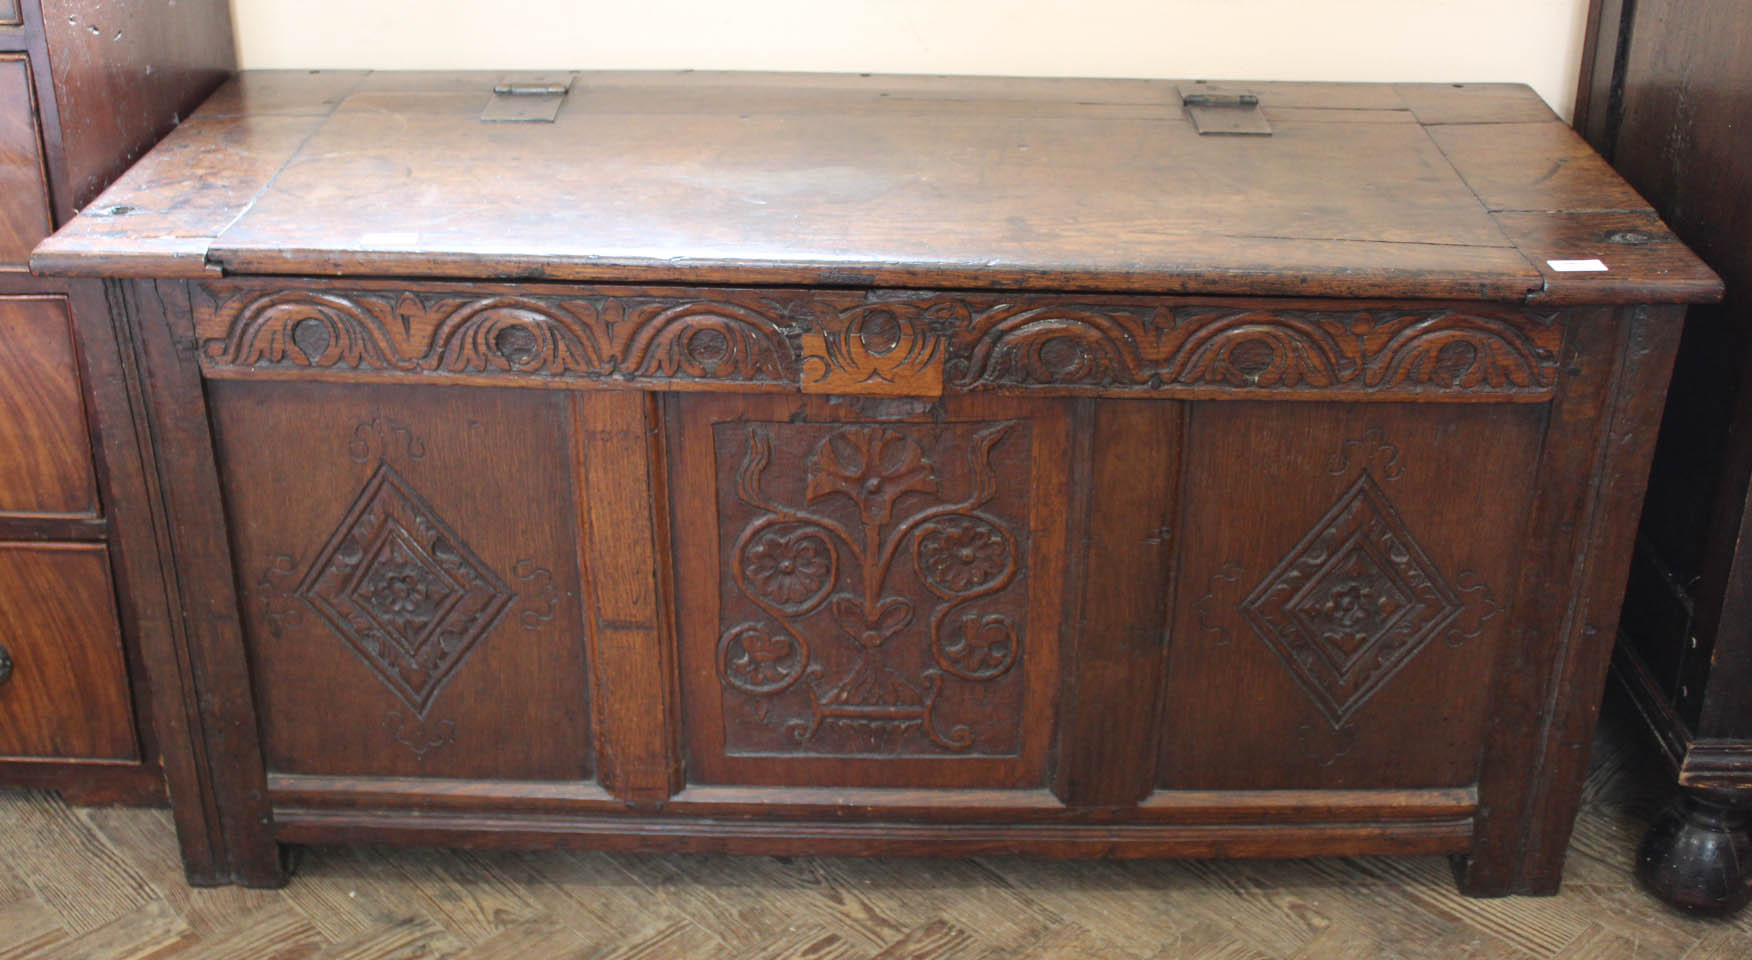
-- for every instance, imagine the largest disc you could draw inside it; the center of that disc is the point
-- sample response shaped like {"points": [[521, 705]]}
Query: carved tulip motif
{"points": [[874, 466]]}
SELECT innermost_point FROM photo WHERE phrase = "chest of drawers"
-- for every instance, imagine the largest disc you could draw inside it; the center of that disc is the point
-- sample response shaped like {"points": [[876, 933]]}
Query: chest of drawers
{"points": [[864, 465], [83, 92]]}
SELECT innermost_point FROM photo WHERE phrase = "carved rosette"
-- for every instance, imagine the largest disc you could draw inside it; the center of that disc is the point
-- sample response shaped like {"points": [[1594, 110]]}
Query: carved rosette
{"points": [[906, 345], [878, 604]]}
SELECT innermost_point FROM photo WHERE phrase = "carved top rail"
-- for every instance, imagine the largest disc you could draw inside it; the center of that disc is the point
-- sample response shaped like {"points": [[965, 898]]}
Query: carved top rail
{"points": [[904, 343]]}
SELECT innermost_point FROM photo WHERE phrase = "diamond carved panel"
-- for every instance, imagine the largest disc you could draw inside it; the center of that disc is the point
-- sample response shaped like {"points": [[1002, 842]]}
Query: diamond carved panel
{"points": [[1352, 603], [403, 590]]}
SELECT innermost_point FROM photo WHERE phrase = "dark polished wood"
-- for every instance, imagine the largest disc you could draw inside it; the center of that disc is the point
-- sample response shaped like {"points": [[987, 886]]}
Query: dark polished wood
{"points": [[1665, 97], [878, 465], [42, 411], [65, 690], [84, 89], [24, 186]]}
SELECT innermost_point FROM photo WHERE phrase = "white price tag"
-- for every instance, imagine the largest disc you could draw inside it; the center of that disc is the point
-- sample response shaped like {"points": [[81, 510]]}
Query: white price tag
{"points": [[1577, 266]]}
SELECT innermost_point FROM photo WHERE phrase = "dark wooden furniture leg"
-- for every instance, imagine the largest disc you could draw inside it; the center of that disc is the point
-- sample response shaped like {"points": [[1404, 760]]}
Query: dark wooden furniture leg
{"points": [[1697, 853], [1662, 85]]}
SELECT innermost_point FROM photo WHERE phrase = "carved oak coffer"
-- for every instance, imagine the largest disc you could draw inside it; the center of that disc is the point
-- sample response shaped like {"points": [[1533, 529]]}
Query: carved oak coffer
{"points": [[864, 465]]}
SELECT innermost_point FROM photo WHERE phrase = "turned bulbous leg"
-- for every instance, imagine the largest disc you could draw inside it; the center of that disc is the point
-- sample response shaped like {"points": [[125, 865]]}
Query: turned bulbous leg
{"points": [[1697, 855]]}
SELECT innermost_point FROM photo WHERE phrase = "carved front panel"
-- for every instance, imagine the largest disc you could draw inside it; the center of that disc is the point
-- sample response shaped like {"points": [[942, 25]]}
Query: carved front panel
{"points": [[408, 579], [879, 584], [1340, 602]]}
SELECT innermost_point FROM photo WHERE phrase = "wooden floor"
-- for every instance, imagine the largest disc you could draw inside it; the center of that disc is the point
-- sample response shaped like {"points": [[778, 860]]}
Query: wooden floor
{"points": [[105, 883]]}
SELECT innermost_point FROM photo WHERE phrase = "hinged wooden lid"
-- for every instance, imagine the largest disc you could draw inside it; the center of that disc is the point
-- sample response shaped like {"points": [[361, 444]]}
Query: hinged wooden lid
{"points": [[1362, 190]]}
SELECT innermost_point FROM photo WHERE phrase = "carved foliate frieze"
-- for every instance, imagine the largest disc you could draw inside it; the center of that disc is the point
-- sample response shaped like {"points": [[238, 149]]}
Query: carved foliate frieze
{"points": [[552, 337], [889, 344], [1186, 346], [875, 595]]}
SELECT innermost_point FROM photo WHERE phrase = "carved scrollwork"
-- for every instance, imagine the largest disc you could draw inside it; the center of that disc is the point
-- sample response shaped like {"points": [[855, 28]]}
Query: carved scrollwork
{"points": [[418, 734], [1260, 349], [704, 340], [560, 337], [381, 436], [540, 599], [903, 345], [1372, 448], [280, 607], [516, 334], [1189, 347], [1480, 608], [1458, 351], [1055, 344], [1222, 581], [310, 329]]}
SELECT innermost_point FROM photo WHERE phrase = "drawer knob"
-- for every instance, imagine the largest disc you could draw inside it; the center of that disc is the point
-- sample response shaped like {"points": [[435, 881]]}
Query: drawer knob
{"points": [[5, 664]]}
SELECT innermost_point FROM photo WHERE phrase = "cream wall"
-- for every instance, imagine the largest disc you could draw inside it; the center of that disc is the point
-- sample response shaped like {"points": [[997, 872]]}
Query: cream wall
{"points": [[1537, 42]]}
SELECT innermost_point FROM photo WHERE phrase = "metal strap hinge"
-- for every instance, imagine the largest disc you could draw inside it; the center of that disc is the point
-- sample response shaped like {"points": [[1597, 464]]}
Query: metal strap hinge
{"points": [[1216, 109], [528, 98]]}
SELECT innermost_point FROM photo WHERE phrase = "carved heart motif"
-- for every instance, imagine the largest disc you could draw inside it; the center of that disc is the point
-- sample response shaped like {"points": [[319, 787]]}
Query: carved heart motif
{"points": [[891, 616]]}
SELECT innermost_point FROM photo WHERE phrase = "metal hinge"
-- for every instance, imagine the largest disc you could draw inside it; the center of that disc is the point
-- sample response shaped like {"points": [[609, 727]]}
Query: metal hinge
{"points": [[528, 98], [1216, 109]]}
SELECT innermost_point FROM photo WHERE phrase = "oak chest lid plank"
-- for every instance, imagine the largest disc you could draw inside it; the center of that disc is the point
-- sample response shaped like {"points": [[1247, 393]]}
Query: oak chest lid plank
{"points": [[1360, 190]]}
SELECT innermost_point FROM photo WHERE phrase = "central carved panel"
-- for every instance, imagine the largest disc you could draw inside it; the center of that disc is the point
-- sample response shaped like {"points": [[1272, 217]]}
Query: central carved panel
{"points": [[874, 595], [403, 590], [1352, 603]]}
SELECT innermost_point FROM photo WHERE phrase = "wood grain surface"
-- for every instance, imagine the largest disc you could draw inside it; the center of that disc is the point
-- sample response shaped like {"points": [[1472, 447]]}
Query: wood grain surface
{"points": [[24, 188], [67, 695], [126, 74], [42, 413], [953, 182]]}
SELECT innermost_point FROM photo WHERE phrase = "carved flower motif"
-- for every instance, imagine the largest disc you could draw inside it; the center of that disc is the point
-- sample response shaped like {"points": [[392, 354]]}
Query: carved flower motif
{"points": [[401, 591], [761, 656], [874, 466], [787, 570], [961, 554], [758, 662], [985, 648], [1349, 604]]}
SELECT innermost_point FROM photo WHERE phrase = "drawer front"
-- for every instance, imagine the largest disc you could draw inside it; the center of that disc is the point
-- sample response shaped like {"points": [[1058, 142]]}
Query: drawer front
{"points": [[45, 452], [869, 602], [67, 693], [24, 193], [408, 570]]}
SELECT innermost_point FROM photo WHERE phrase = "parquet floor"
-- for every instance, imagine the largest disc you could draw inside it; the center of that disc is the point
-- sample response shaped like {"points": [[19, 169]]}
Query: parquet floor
{"points": [[105, 883]]}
